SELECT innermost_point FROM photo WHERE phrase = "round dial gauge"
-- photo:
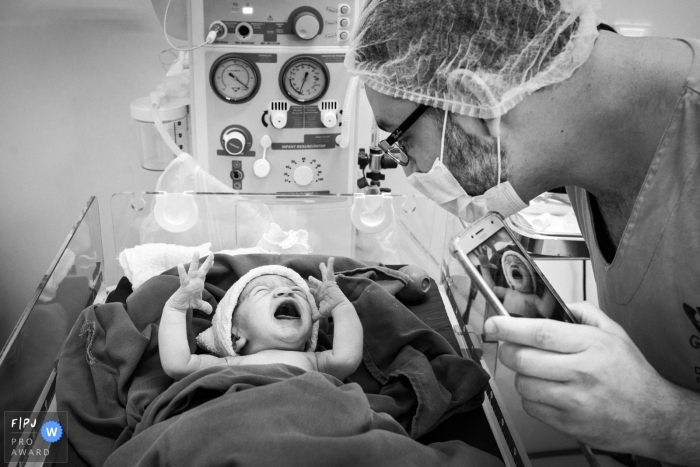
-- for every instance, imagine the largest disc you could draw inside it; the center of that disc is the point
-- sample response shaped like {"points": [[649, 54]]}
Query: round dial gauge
{"points": [[234, 79], [304, 80]]}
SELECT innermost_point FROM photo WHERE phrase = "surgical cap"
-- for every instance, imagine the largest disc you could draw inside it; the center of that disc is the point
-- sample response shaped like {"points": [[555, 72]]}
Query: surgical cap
{"points": [[474, 57]]}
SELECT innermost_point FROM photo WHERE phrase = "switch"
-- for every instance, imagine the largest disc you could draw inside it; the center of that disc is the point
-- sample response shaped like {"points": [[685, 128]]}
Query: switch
{"points": [[303, 175], [279, 119], [344, 23], [344, 9], [261, 168], [278, 113], [329, 116], [329, 119]]}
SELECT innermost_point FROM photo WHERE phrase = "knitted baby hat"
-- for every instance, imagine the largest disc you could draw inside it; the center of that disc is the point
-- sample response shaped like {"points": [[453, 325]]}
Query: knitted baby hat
{"points": [[507, 273], [217, 339]]}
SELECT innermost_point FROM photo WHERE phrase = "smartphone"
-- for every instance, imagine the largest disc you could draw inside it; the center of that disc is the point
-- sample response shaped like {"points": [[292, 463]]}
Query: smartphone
{"points": [[503, 272]]}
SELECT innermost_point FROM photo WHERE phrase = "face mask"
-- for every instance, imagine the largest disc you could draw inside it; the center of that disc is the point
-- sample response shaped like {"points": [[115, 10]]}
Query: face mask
{"points": [[440, 185]]}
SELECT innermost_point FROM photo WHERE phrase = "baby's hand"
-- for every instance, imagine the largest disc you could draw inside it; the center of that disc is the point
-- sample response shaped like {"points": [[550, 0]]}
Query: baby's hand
{"points": [[483, 254], [189, 295], [327, 293]]}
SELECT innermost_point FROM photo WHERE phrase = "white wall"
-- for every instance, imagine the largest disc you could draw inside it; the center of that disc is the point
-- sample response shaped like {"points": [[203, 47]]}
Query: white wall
{"points": [[668, 18], [68, 71]]}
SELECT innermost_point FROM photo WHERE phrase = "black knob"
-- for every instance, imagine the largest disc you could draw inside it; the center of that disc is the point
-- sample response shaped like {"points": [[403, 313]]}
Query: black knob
{"points": [[362, 183], [375, 176], [388, 162], [362, 159]]}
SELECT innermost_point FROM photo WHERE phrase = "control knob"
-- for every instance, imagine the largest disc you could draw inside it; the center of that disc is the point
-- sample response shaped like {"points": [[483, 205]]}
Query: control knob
{"points": [[303, 175], [234, 142], [306, 25], [329, 119]]}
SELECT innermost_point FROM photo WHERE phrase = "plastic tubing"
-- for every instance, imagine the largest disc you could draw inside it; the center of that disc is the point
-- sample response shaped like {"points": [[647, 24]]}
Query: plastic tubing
{"points": [[211, 37], [343, 140], [161, 129]]}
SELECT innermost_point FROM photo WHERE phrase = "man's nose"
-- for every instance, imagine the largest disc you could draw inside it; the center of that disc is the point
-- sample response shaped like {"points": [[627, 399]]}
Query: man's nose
{"points": [[283, 292]]}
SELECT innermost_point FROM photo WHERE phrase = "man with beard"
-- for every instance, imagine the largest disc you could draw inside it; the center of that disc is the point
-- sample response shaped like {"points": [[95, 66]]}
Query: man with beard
{"points": [[492, 103]]}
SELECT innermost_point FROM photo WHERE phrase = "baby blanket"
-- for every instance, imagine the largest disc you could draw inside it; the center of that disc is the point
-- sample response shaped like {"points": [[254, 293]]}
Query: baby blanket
{"points": [[124, 410]]}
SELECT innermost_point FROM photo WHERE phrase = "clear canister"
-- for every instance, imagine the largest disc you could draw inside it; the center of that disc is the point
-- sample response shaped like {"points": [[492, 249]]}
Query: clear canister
{"points": [[173, 112]]}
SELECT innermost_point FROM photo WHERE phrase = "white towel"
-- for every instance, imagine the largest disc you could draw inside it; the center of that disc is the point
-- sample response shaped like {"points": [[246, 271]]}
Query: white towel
{"points": [[145, 261], [244, 251], [547, 223]]}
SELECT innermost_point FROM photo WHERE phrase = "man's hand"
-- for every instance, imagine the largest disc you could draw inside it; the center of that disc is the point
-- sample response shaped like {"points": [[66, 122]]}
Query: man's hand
{"points": [[327, 293], [588, 380], [189, 295]]}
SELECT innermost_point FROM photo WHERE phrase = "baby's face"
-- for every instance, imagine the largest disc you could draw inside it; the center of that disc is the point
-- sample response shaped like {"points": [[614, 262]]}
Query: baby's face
{"points": [[520, 278], [273, 313]]}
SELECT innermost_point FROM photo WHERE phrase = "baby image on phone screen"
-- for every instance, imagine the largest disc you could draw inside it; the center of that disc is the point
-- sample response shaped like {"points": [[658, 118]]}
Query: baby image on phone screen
{"points": [[514, 281]]}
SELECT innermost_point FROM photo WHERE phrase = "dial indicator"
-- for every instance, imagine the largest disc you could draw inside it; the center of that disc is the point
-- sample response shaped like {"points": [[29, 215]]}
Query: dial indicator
{"points": [[234, 79], [304, 79]]}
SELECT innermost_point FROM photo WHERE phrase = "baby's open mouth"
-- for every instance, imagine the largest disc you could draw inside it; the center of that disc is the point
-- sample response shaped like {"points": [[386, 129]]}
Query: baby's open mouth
{"points": [[288, 309]]}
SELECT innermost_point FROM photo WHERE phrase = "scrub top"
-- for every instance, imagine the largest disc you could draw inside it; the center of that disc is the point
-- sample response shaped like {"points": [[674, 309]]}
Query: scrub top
{"points": [[652, 286]]}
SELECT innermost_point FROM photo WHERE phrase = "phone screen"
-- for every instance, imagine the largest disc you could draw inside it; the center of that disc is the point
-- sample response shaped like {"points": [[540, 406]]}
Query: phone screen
{"points": [[514, 280]]}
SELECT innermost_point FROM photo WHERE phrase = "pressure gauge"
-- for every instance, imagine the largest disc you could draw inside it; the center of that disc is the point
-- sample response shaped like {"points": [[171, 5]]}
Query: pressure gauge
{"points": [[234, 79], [304, 79]]}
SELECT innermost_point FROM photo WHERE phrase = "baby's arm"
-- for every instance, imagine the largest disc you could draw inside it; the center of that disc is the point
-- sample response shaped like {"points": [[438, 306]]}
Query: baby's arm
{"points": [[520, 303], [486, 266], [546, 304], [175, 356], [346, 354]]}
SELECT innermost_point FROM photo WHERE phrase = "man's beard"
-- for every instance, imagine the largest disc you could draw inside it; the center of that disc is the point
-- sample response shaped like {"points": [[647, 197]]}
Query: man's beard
{"points": [[472, 159]]}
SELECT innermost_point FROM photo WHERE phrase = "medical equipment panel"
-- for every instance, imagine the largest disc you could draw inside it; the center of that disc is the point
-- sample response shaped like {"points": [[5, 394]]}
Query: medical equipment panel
{"points": [[274, 109]]}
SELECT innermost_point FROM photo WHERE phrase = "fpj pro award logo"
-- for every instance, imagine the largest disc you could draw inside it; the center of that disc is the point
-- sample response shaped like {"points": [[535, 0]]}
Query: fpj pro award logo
{"points": [[30, 439]]}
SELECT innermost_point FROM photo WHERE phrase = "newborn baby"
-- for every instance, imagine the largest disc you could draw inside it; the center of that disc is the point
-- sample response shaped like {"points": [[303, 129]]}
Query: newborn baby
{"points": [[521, 296], [268, 316]]}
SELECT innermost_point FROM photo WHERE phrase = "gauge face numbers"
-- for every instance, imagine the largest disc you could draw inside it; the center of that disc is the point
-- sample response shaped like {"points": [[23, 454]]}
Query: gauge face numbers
{"points": [[304, 172], [304, 80], [235, 79]]}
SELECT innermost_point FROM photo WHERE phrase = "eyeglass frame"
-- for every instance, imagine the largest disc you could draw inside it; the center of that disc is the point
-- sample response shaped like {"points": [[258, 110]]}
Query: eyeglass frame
{"points": [[388, 145]]}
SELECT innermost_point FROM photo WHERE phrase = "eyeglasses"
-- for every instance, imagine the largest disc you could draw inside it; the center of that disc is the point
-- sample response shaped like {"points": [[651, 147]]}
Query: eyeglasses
{"points": [[391, 146]]}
